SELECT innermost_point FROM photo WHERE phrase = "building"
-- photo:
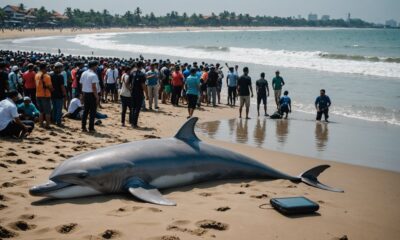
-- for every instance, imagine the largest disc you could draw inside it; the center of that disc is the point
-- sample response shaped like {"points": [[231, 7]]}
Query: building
{"points": [[14, 13], [348, 17], [325, 18], [312, 17], [391, 23]]}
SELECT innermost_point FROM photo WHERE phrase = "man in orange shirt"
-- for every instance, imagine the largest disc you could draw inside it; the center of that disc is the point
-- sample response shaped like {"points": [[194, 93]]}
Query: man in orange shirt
{"points": [[177, 85], [29, 83], [43, 94]]}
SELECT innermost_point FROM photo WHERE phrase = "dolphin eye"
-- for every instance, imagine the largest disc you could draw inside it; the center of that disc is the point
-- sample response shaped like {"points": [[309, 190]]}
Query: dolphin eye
{"points": [[82, 175]]}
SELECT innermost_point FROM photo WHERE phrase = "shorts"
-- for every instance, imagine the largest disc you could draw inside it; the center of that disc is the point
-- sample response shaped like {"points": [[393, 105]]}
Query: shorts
{"points": [[262, 98], [192, 100], [167, 88], [244, 100], [111, 87], [284, 109], [278, 93], [44, 105]]}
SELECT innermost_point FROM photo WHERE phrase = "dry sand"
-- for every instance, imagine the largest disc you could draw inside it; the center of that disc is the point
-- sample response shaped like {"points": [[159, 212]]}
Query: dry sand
{"points": [[217, 210]]}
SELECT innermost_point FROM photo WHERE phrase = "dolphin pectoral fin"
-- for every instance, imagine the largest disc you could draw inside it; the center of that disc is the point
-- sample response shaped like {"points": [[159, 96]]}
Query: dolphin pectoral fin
{"points": [[147, 193], [151, 196], [310, 177], [186, 132]]}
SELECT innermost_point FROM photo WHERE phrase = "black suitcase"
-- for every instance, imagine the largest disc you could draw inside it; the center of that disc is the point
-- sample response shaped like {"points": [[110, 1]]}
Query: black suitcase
{"points": [[294, 205]]}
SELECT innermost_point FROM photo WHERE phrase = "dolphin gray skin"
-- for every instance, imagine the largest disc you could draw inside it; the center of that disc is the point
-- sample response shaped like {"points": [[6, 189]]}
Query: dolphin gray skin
{"points": [[144, 167]]}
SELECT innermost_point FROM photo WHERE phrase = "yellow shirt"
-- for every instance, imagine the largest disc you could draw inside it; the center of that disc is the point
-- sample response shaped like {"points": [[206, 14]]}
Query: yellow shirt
{"points": [[43, 85]]}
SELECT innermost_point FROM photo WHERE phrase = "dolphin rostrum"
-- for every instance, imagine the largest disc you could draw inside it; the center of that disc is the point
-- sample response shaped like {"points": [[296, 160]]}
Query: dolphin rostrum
{"points": [[144, 167]]}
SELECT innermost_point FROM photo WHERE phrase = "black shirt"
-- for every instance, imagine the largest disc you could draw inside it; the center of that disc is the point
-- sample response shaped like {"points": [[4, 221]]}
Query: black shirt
{"points": [[3, 84], [57, 80], [212, 79], [262, 85], [167, 74], [244, 84], [137, 79]]}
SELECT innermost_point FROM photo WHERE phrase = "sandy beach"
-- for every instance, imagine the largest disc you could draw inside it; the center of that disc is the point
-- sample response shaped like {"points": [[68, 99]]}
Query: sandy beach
{"points": [[216, 210]]}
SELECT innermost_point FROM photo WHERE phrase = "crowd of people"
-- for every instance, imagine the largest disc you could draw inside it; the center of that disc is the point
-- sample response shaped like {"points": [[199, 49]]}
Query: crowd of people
{"points": [[36, 87]]}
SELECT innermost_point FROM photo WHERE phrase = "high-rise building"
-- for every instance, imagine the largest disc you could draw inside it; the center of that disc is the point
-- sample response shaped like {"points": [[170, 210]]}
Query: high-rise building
{"points": [[312, 17], [325, 17], [391, 23]]}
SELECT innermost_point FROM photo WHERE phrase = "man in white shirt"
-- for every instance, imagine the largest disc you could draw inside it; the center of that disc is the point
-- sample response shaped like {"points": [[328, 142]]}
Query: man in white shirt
{"points": [[90, 83], [111, 78], [10, 124], [75, 108]]}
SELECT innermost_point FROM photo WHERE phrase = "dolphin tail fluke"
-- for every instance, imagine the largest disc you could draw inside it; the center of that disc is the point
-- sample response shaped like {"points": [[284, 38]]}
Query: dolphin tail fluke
{"points": [[310, 177]]}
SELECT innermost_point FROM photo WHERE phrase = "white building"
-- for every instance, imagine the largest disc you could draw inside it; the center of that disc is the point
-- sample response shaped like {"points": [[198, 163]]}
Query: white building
{"points": [[312, 17], [391, 23], [325, 17]]}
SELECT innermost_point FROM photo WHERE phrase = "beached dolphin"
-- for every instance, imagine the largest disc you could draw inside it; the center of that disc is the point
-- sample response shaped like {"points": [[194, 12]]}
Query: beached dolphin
{"points": [[144, 167]]}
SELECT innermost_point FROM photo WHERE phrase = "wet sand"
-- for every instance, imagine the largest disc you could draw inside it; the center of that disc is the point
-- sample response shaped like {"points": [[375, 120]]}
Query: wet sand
{"points": [[217, 210], [345, 140]]}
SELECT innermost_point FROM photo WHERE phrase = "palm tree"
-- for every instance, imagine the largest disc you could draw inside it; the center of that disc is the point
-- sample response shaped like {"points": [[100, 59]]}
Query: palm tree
{"points": [[21, 6]]}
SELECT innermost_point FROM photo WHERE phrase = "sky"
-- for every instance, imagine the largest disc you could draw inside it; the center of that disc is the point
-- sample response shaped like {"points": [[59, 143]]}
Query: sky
{"points": [[377, 11]]}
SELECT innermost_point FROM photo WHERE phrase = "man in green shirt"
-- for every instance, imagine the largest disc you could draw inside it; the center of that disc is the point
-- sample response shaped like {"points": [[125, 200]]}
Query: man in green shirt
{"points": [[277, 83]]}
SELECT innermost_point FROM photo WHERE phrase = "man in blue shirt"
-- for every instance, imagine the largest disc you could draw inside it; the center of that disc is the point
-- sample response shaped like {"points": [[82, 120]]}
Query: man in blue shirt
{"points": [[28, 110], [192, 86], [285, 104], [322, 104], [231, 82], [152, 86]]}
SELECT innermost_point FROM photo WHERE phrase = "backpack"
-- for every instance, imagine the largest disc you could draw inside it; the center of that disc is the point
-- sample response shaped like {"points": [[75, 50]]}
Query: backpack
{"points": [[276, 115]]}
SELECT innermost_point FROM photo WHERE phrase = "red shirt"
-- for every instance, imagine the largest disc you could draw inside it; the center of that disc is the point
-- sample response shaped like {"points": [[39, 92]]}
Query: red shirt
{"points": [[29, 79], [177, 79], [73, 76]]}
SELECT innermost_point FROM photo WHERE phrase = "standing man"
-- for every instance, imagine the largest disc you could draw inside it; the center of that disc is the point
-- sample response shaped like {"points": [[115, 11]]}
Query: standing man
{"points": [[219, 82], [177, 85], [58, 94], [152, 86], [90, 84], [29, 83], [44, 87], [137, 81], [192, 86], [111, 79], [262, 93], [244, 89], [231, 82], [212, 86], [277, 83], [14, 80], [322, 104]]}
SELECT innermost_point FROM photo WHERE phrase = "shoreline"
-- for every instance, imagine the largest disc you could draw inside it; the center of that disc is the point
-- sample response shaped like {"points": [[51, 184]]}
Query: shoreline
{"points": [[15, 34], [364, 211]]}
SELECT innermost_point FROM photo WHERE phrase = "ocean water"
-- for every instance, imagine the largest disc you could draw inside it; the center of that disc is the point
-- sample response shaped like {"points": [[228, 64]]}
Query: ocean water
{"points": [[359, 68]]}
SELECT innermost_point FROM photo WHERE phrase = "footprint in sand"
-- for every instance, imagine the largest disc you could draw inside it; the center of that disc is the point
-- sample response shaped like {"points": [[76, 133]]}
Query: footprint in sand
{"points": [[2, 206], [5, 233], [47, 168], [196, 232], [51, 160], [223, 209], [22, 226], [67, 228], [18, 161], [27, 216], [205, 194], [241, 192], [153, 209], [7, 184], [109, 234], [3, 165], [245, 185], [11, 154], [211, 224], [36, 152], [262, 196], [166, 237]]}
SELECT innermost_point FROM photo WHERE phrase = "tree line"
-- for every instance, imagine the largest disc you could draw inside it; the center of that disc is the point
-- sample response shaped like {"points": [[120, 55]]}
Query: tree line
{"points": [[135, 18]]}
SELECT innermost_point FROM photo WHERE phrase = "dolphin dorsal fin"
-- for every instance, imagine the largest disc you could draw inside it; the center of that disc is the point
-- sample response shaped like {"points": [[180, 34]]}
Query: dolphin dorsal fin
{"points": [[186, 132]]}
